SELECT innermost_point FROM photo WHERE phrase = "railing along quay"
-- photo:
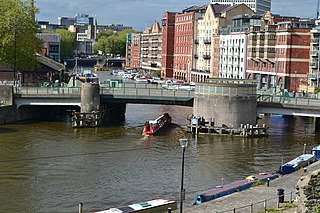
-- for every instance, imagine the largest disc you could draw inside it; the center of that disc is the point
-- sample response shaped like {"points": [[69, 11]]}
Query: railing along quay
{"points": [[155, 91], [123, 91], [298, 101]]}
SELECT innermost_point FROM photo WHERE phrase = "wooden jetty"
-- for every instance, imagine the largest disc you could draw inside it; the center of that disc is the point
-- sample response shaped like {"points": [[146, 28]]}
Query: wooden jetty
{"points": [[200, 126], [80, 119]]}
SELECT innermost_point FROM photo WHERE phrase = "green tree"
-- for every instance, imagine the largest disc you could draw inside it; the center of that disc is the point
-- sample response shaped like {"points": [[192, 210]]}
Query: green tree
{"points": [[112, 42], [18, 41], [68, 43]]}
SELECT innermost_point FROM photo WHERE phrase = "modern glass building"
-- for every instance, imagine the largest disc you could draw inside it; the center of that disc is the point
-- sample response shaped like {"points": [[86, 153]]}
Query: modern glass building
{"points": [[259, 6]]}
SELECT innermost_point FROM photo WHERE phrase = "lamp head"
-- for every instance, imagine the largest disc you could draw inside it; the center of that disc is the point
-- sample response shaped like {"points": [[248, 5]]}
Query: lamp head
{"points": [[183, 142]]}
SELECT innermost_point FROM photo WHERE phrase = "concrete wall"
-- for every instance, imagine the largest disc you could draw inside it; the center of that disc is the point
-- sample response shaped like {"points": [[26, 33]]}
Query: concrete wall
{"points": [[228, 110], [229, 102], [308, 190], [90, 97]]}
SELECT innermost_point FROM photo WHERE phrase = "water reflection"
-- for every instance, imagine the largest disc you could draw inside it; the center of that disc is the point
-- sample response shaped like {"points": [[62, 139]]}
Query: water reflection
{"points": [[51, 167]]}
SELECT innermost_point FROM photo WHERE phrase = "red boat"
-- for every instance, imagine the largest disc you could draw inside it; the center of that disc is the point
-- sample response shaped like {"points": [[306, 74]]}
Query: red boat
{"points": [[151, 127]]}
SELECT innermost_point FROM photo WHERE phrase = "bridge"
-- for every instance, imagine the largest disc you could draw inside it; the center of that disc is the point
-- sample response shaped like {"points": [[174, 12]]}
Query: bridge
{"points": [[140, 93]]}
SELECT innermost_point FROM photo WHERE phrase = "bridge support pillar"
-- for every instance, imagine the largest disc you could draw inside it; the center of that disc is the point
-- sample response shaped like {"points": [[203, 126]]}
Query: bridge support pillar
{"points": [[90, 98], [89, 115], [229, 102], [317, 125]]}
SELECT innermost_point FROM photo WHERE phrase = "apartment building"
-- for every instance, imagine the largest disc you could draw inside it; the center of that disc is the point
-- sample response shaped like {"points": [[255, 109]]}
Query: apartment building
{"points": [[233, 54], [168, 22], [258, 6], [51, 45], [293, 53], [184, 41], [278, 52], [208, 47], [314, 73], [133, 50], [233, 47], [151, 48]]}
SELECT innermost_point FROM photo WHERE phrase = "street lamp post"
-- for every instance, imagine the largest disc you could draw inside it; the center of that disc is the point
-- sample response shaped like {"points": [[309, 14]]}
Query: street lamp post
{"points": [[183, 144]]}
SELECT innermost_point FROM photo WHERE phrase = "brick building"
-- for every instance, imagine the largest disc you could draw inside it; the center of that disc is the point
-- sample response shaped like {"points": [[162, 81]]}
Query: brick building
{"points": [[151, 48], [293, 53], [278, 52], [184, 41], [168, 22], [133, 50]]}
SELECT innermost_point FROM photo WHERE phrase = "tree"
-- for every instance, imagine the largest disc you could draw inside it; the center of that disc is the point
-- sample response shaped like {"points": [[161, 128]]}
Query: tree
{"points": [[18, 41], [112, 42], [68, 43]]}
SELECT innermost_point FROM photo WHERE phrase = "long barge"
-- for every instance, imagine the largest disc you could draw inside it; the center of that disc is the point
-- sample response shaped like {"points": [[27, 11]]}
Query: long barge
{"points": [[236, 186], [153, 126], [297, 163], [152, 206]]}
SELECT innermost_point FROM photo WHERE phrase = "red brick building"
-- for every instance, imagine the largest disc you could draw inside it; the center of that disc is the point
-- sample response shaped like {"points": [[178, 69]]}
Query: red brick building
{"points": [[278, 52], [168, 22], [185, 40], [133, 50], [292, 53]]}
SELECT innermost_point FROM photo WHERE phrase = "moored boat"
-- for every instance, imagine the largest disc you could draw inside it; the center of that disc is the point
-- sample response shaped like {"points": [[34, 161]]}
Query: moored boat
{"points": [[297, 163], [153, 126], [316, 151], [151, 206], [236, 186]]}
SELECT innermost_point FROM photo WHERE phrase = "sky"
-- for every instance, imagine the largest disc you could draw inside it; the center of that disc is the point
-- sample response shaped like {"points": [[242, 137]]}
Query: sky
{"points": [[140, 14]]}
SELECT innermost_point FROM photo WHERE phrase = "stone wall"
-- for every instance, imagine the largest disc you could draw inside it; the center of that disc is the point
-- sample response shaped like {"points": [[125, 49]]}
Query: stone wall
{"points": [[308, 191]]}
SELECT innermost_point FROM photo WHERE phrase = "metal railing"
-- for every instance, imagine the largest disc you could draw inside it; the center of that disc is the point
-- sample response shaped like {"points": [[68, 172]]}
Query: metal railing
{"points": [[263, 205], [301, 101], [46, 90], [124, 91], [155, 91]]}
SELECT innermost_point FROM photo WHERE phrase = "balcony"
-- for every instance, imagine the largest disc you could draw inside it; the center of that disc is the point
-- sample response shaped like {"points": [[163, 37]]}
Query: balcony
{"points": [[314, 41], [206, 57], [313, 65], [200, 71], [196, 41], [196, 56], [207, 41], [314, 53]]}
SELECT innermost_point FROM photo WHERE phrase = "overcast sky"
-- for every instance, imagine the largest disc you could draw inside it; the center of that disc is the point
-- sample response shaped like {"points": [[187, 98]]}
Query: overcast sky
{"points": [[141, 13]]}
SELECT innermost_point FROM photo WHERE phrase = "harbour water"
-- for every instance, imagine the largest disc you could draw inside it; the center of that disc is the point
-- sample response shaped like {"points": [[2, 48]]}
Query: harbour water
{"points": [[51, 167]]}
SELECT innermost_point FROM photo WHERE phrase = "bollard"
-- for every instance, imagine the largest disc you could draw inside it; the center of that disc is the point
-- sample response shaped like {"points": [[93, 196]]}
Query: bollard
{"points": [[251, 208], [265, 205], [305, 170], [268, 182], [281, 195], [80, 207], [169, 210]]}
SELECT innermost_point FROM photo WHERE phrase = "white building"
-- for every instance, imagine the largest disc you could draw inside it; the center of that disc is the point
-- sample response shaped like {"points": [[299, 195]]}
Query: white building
{"points": [[259, 6], [233, 56]]}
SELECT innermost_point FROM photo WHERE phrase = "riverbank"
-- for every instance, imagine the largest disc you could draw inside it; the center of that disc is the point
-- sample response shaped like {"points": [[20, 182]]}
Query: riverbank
{"points": [[256, 196]]}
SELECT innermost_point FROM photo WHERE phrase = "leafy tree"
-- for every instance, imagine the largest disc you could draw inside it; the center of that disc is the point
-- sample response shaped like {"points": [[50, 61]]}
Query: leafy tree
{"points": [[112, 42], [18, 41], [68, 43]]}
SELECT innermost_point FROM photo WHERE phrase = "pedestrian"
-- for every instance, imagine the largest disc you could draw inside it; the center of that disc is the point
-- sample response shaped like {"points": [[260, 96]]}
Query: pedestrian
{"points": [[303, 93]]}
